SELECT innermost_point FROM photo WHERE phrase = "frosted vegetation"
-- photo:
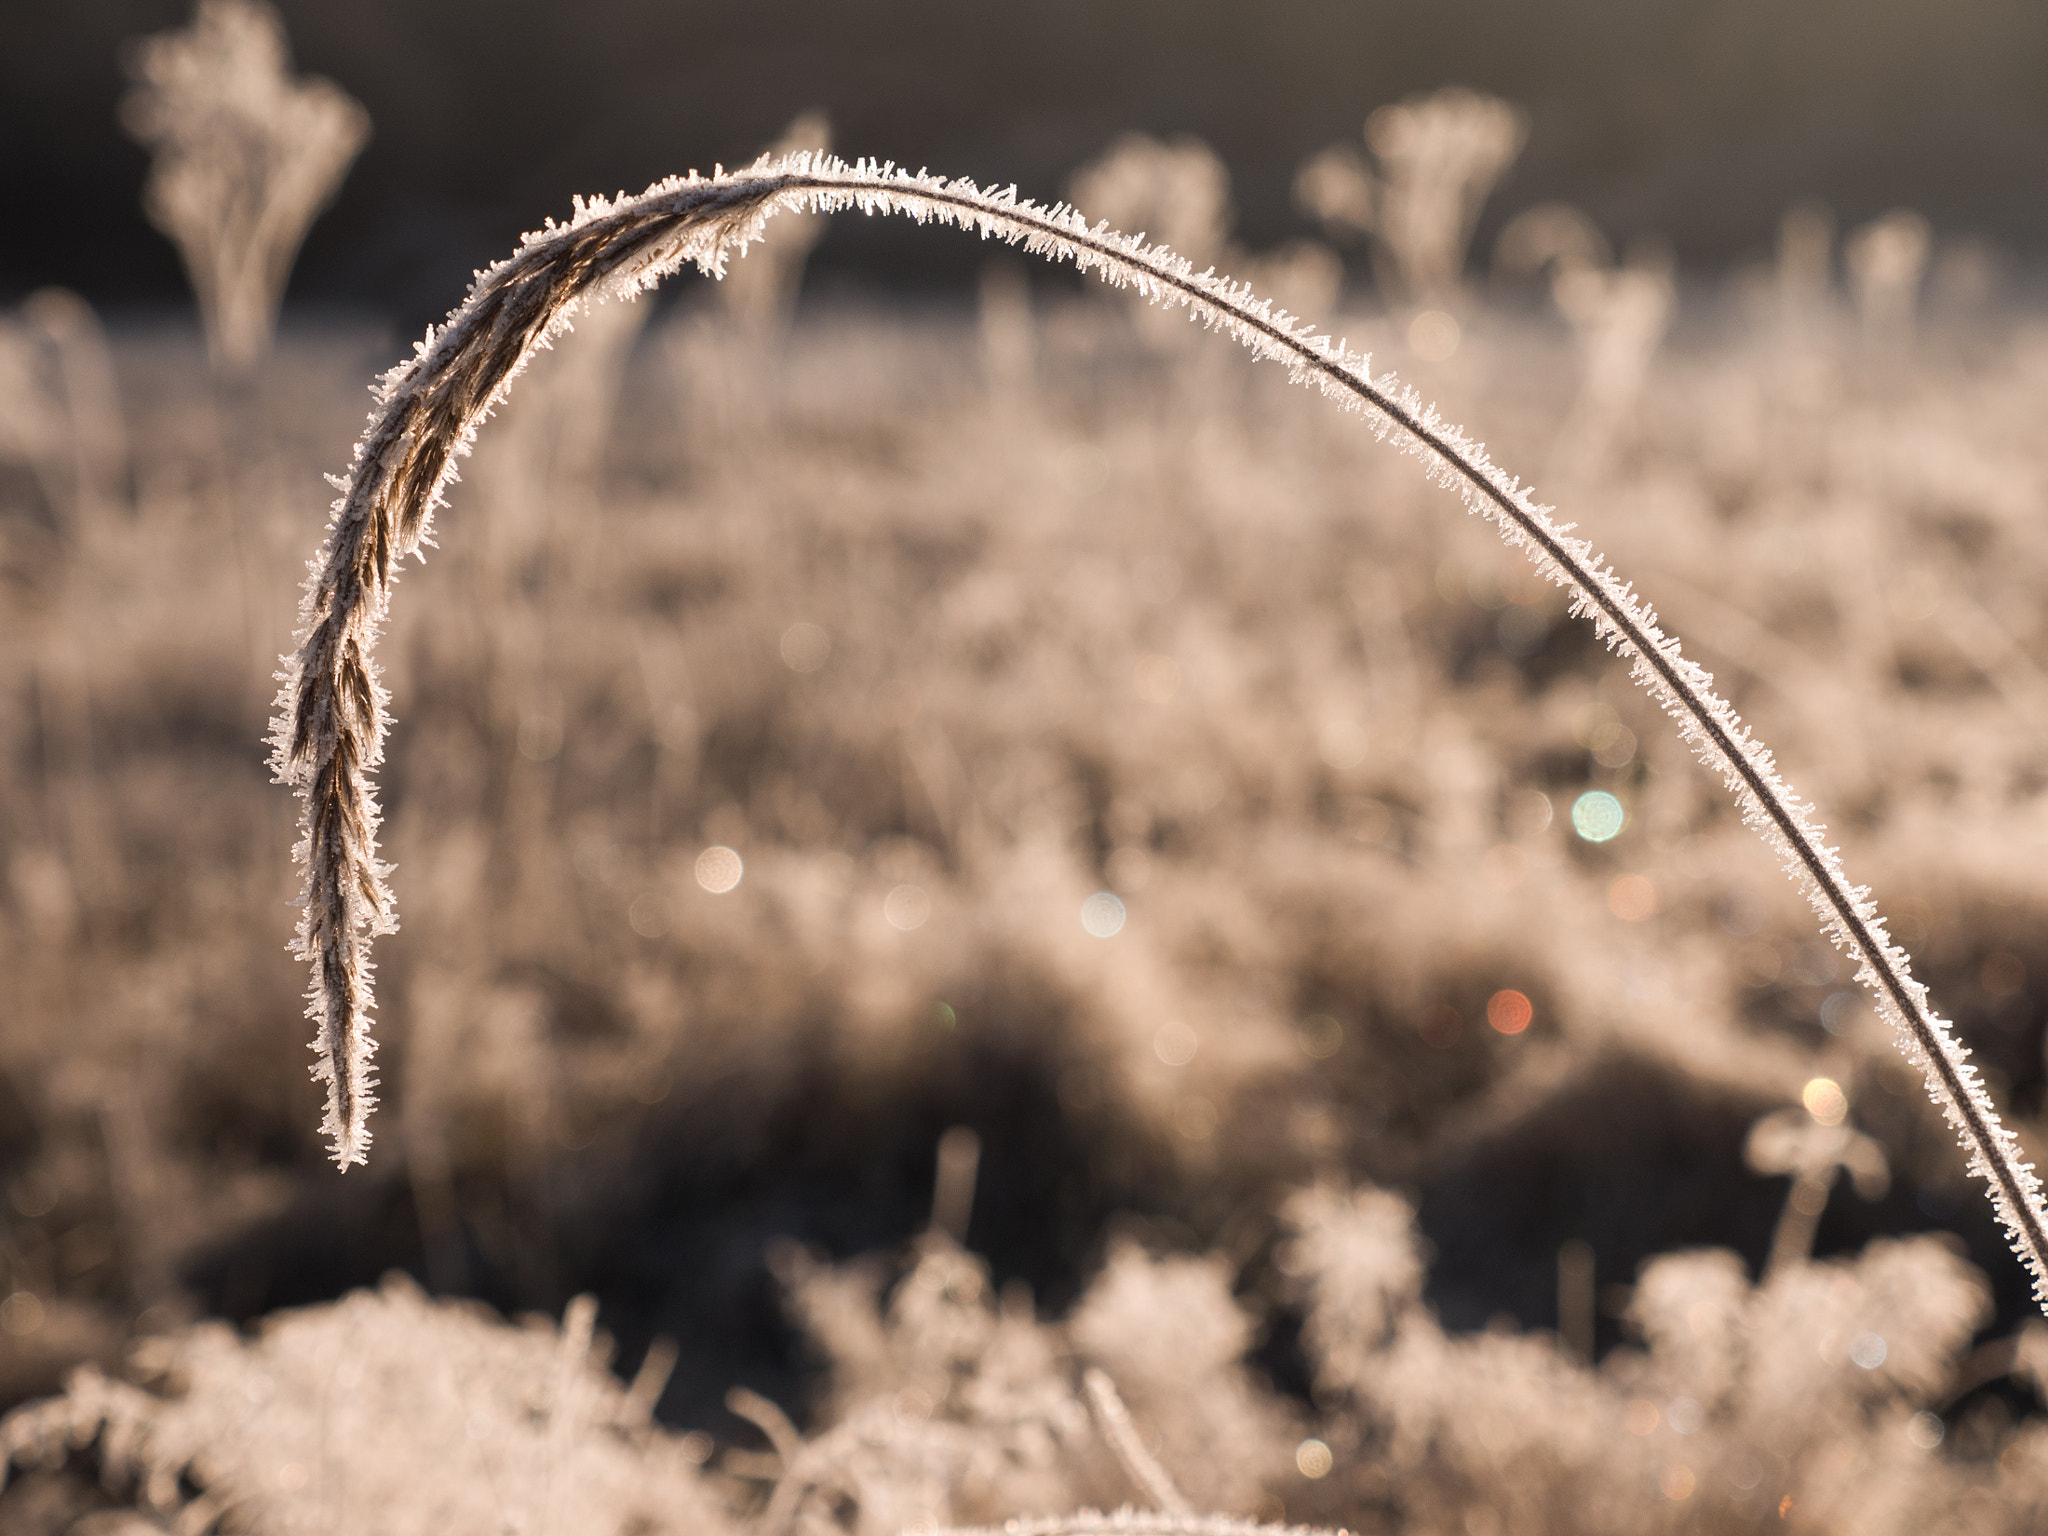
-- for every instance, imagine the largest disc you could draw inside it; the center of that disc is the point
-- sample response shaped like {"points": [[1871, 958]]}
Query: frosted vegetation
{"points": [[1039, 717]]}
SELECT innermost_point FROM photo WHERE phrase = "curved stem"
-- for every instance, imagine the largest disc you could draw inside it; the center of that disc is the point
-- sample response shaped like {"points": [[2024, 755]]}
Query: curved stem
{"points": [[329, 731]]}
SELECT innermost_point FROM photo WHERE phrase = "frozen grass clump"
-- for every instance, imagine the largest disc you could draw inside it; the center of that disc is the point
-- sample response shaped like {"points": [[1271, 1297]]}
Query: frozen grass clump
{"points": [[1816, 1390], [384, 1412]]}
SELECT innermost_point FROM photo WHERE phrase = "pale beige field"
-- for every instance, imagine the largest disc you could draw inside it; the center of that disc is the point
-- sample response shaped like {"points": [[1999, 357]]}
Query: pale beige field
{"points": [[953, 623]]}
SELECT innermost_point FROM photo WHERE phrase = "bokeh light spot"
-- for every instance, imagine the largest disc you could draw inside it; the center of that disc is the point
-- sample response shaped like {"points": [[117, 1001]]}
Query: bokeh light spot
{"points": [[1825, 1101], [719, 869], [2003, 974], [34, 1195], [21, 1314], [1440, 1027], [1176, 1043], [1509, 1011], [1313, 1458], [1838, 1012], [806, 647], [1925, 1429], [1868, 1350], [1760, 963], [1597, 816], [1103, 915], [1617, 750], [1343, 744], [1319, 1036], [649, 914], [540, 733], [907, 907], [1632, 899]]}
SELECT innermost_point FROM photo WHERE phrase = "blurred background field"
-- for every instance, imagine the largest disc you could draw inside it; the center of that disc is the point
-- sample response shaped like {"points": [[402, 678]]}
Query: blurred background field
{"points": [[834, 716]]}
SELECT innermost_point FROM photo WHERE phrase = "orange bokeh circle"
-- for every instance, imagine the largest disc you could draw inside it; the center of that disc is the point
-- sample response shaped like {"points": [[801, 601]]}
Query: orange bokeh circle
{"points": [[1509, 1012]]}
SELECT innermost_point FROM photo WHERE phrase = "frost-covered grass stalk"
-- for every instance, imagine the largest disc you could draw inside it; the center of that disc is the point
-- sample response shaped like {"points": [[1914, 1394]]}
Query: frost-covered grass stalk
{"points": [[1114, 1420], [329, 731]]}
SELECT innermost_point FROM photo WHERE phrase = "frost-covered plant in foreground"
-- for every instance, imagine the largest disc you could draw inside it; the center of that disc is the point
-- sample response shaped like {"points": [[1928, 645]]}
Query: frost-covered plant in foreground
{"points": [[331, 722], [386, 1411], [1805, 1401]]}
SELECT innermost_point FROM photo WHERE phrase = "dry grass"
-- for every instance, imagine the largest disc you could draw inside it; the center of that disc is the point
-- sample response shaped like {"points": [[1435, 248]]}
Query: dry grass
{"points": [[975, 637]]}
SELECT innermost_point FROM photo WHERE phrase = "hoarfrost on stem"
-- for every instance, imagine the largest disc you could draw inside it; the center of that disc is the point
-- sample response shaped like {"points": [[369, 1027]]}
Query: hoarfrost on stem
{"points": [[329, 729]]}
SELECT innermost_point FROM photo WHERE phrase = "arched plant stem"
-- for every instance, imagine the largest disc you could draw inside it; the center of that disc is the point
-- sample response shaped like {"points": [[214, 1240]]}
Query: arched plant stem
{"points": [[329, 730]]}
